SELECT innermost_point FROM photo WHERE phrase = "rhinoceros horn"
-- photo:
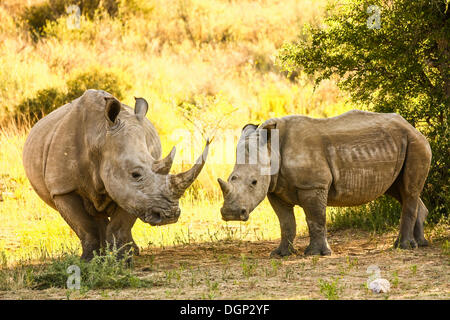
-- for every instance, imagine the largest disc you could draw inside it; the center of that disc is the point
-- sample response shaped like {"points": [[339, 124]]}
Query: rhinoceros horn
{"points": [[226, 188], [163, 166], [180, 182]]}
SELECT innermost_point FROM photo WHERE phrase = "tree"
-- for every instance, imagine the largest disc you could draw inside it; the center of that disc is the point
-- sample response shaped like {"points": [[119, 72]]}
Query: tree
{"points": [[390, 56]]}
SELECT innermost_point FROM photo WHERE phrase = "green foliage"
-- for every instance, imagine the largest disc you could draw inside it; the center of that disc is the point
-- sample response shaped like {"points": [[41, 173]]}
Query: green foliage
{"points": [[44, 102], [379, 216], [47, 100], [330, 289], [402, 67], [37, 16], [102, 272], [111, 81], [19, 277]]}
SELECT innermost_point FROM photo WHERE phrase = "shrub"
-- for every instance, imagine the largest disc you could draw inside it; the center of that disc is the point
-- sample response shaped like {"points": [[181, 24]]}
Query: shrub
{"points": [[44, 102], [102, 272], [37, 16], [380, 215], [401, 66], [111, 81], [47, 100]]}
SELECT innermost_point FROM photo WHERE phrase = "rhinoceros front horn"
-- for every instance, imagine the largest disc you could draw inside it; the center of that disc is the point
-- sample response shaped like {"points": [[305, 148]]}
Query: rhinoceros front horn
{"points": [[224, 186], [163, 166], [180, 182]]}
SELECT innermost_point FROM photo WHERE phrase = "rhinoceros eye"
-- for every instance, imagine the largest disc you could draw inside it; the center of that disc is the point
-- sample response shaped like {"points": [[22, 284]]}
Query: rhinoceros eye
{"points": [[233, 178], [136, 175], [254, 182]]}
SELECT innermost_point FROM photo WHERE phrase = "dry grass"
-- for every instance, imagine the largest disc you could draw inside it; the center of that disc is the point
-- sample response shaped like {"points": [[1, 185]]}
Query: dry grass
{"points": [[242, 270]]}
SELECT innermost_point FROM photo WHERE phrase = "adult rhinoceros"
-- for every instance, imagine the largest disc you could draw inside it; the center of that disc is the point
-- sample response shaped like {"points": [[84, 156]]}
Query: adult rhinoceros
{"points": [[98, 163], [347, 160]]}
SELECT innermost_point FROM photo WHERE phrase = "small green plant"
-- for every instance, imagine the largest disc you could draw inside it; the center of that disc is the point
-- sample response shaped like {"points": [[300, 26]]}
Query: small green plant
{"points": [[314, 260], [225, 260], [446, 247], [413, 269], [330, 289], [213, 289], [395, 280], [107, 271], [248, 266], [289, 273], [172, 275]]}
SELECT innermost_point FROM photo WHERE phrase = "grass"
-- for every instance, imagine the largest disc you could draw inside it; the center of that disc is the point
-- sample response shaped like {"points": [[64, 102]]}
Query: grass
{"points": [[70, 272], [331, 290]]}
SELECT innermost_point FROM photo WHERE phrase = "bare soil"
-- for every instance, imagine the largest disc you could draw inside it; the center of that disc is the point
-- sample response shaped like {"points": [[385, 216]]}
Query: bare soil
{"points": [[244, 270]]}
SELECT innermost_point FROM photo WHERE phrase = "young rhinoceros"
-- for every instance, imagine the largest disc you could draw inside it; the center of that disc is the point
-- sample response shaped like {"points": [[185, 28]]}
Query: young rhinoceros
{"points": [[347, 160], [98, 163]]}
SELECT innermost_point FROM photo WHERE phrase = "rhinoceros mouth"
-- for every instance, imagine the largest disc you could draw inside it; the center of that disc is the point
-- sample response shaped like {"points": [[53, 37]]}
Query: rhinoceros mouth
{"points": [[156, 217], [153, 218]]}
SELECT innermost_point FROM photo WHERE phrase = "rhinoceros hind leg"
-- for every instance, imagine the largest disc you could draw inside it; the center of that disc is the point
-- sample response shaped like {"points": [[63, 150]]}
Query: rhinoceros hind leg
{"points": [[408, 219], [422, 214], [406, 189], [71, 208], [118, 232], [285, 213], [314, 203]]}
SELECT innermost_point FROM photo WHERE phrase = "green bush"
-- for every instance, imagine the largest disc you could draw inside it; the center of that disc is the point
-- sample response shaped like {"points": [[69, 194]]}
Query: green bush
{"points": [[401, 65], [102, 272], [111, 81], [37, 16], [47, 100], [44, 102], [380, 215]]}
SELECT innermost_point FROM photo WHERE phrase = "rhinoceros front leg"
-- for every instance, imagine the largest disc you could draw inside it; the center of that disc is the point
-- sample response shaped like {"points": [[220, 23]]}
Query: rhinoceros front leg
{"points": [[314, 203], [118, 232], [71, 208], [285, 213]]}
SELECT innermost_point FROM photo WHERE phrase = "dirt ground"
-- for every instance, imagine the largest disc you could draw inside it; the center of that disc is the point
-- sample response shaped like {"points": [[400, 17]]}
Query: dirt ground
{"points": [[244, 270]]}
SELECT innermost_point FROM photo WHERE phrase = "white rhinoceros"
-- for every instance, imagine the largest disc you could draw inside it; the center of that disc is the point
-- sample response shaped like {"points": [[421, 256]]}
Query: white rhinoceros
{"points": [[98, 163], [346, 160]]}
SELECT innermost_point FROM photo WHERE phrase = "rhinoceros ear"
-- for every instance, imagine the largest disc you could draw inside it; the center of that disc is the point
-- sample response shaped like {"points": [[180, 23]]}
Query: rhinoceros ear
{"points": [[112, 110], [140, 108], [267, 128], [248, 128]]}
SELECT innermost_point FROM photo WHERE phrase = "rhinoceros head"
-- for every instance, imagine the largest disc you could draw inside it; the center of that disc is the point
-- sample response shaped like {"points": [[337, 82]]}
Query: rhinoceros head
{"points": [[133, 179], [249, 182]]}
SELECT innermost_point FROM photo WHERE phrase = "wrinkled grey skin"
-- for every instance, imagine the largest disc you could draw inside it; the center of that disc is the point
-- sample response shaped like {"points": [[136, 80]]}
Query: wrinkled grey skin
{"points": [[347, 160], [98, 163]]}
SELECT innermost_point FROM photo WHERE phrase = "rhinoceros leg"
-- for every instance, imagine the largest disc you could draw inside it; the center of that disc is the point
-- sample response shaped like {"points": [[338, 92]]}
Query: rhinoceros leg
{"points": [[118, 232], [408, 219], [422, 213], [71, 208], [285, 213], [314, 203]]}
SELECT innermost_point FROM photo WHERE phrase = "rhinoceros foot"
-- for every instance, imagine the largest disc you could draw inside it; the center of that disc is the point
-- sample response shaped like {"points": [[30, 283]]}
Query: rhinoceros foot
{"points": [[323, 250], [422, 242], [283, 252], [405, 243]]}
